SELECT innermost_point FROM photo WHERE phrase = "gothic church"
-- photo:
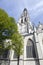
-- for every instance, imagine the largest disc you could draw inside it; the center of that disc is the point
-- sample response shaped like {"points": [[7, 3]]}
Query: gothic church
{"points": [[33, 42]]}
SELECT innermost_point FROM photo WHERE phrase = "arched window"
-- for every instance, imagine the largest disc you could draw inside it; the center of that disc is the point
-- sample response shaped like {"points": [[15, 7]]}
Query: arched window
{"points": [[30, 50], [25, 19], [21, 20]]}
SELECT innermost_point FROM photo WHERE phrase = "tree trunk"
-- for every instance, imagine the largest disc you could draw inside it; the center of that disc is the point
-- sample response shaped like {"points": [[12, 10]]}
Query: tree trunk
{"points": [[18, 60]]}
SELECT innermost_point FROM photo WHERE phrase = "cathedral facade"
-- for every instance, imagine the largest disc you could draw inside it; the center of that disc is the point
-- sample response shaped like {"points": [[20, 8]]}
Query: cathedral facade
{"points": [[33, 42]]}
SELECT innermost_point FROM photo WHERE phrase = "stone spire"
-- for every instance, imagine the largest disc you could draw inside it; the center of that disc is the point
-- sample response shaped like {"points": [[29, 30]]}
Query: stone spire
{"points": [[24, 24], [25, 16], [25, 13]]}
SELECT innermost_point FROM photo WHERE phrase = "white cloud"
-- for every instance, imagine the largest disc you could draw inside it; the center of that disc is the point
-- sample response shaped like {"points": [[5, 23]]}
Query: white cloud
{"points": [[37, 9], [38, 5]]}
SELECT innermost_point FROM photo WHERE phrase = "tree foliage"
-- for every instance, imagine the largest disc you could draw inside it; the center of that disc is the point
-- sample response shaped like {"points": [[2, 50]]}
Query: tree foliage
{"points": [[9, 30], [17, 42], [8, 26]]}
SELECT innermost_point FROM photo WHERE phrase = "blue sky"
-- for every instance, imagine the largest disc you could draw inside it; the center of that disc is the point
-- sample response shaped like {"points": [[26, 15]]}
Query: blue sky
{"points": [[15, 7]]}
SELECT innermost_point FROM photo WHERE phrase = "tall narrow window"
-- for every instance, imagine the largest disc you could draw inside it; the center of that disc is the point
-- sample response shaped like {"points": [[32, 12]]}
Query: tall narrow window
{"points": [[15, 55], [21, 20], [25, 19], [5, 55], [30, 49]]}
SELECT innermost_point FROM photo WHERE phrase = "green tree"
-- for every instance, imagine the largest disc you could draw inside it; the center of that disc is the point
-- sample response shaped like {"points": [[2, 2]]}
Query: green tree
{"points": [[9, 30], [17, 42], [3, 19], [8, 26]]}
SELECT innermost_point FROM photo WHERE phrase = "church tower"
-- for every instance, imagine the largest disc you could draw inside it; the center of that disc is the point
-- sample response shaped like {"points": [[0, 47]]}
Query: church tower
{"points": [[26, 29], [24, 24]]}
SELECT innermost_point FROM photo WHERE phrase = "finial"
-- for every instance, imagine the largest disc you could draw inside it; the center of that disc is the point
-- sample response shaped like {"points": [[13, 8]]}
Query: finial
{"points": [[25, 9]]}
